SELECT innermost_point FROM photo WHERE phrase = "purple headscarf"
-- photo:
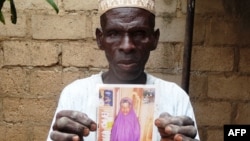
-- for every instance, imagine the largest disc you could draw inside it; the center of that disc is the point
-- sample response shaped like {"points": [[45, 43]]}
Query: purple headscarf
{"points": [[126, 127]]}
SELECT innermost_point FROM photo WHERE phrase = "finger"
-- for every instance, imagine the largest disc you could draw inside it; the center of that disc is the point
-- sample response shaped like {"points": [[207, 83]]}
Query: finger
{"points": [[179, 137], [78, 117], [189, 131], [178, 120], [59, 136], [165, 134], [160, 121], [67, 125]]}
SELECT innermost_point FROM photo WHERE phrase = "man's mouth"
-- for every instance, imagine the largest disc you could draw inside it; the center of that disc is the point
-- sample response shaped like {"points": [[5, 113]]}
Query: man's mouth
{"points": [[127, 65]]}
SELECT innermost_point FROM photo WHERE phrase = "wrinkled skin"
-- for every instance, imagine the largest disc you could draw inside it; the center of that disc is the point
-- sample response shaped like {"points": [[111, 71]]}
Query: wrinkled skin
{"points": [[127, 42], [127, 37], [71, 126], [176, 128]]}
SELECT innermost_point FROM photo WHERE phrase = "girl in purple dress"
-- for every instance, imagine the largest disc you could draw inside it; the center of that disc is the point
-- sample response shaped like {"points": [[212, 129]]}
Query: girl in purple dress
{"points": [[126, 125]]}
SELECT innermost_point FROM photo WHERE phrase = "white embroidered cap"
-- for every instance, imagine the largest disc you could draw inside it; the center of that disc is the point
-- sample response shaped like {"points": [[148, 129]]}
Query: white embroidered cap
{"points": [[105, 5]]}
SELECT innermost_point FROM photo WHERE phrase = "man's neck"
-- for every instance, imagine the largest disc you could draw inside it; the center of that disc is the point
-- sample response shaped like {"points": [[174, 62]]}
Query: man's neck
{"points": [[108, 78]]}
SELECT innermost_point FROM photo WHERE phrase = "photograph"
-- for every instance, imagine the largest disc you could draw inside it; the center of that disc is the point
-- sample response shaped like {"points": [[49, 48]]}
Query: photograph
{"points": [[124, 70], [125, 112]]}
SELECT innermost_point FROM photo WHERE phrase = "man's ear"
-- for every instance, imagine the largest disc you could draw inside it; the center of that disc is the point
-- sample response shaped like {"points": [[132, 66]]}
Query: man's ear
{"points": [[98, 33], [156, 39]]}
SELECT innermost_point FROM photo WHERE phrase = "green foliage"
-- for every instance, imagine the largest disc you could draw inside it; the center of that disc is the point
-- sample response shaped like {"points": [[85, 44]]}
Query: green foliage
{"points": [[52, 3], [13, 10], [1, 14], [2, 18]]}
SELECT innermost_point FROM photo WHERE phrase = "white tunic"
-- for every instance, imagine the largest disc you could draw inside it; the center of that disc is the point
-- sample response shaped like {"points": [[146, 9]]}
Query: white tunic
{"points": [[82, 95]]}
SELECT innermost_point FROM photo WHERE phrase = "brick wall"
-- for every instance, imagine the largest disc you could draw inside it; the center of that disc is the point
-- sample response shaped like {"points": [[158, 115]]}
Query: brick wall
{"points": [[45, 51], [220, 66]]}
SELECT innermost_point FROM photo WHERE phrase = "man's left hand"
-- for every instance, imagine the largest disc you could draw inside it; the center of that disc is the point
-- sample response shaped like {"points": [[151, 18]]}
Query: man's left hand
{"points": [[176, 128]]}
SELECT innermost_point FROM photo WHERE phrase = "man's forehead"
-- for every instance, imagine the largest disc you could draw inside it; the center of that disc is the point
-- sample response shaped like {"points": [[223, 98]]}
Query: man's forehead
{"points": [[105, 5], [127, 18]]}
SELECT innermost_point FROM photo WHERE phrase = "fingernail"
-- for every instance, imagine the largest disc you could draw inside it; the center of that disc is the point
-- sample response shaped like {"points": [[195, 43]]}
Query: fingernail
{"points": [[93, 127], [178, 138], [168, 130], [157, 122], [75, 138], [85, 131]]}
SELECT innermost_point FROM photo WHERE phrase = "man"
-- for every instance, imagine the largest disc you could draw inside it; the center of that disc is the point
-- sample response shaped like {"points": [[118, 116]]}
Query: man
{"points": [[127, 36]]}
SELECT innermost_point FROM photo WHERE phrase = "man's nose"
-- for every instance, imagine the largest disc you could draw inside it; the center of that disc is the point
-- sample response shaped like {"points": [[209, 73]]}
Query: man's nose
{"points": [[127, 44]]}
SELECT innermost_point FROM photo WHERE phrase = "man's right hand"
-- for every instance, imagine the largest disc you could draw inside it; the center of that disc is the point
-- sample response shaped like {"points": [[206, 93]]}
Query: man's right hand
{"points": [[72, 126]]}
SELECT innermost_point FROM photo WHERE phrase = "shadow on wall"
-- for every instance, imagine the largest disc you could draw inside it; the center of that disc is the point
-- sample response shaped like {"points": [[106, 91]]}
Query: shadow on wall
{"points": [[239, 10]]}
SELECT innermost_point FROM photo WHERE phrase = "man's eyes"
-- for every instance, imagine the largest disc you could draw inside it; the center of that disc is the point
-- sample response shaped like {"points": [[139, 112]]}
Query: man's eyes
{"points": [[113, 34], [139, 33], [132, 34]]}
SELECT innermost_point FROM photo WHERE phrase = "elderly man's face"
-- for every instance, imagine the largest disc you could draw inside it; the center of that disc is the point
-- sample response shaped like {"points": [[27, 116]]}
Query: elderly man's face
{"points": [[127, 37]]}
